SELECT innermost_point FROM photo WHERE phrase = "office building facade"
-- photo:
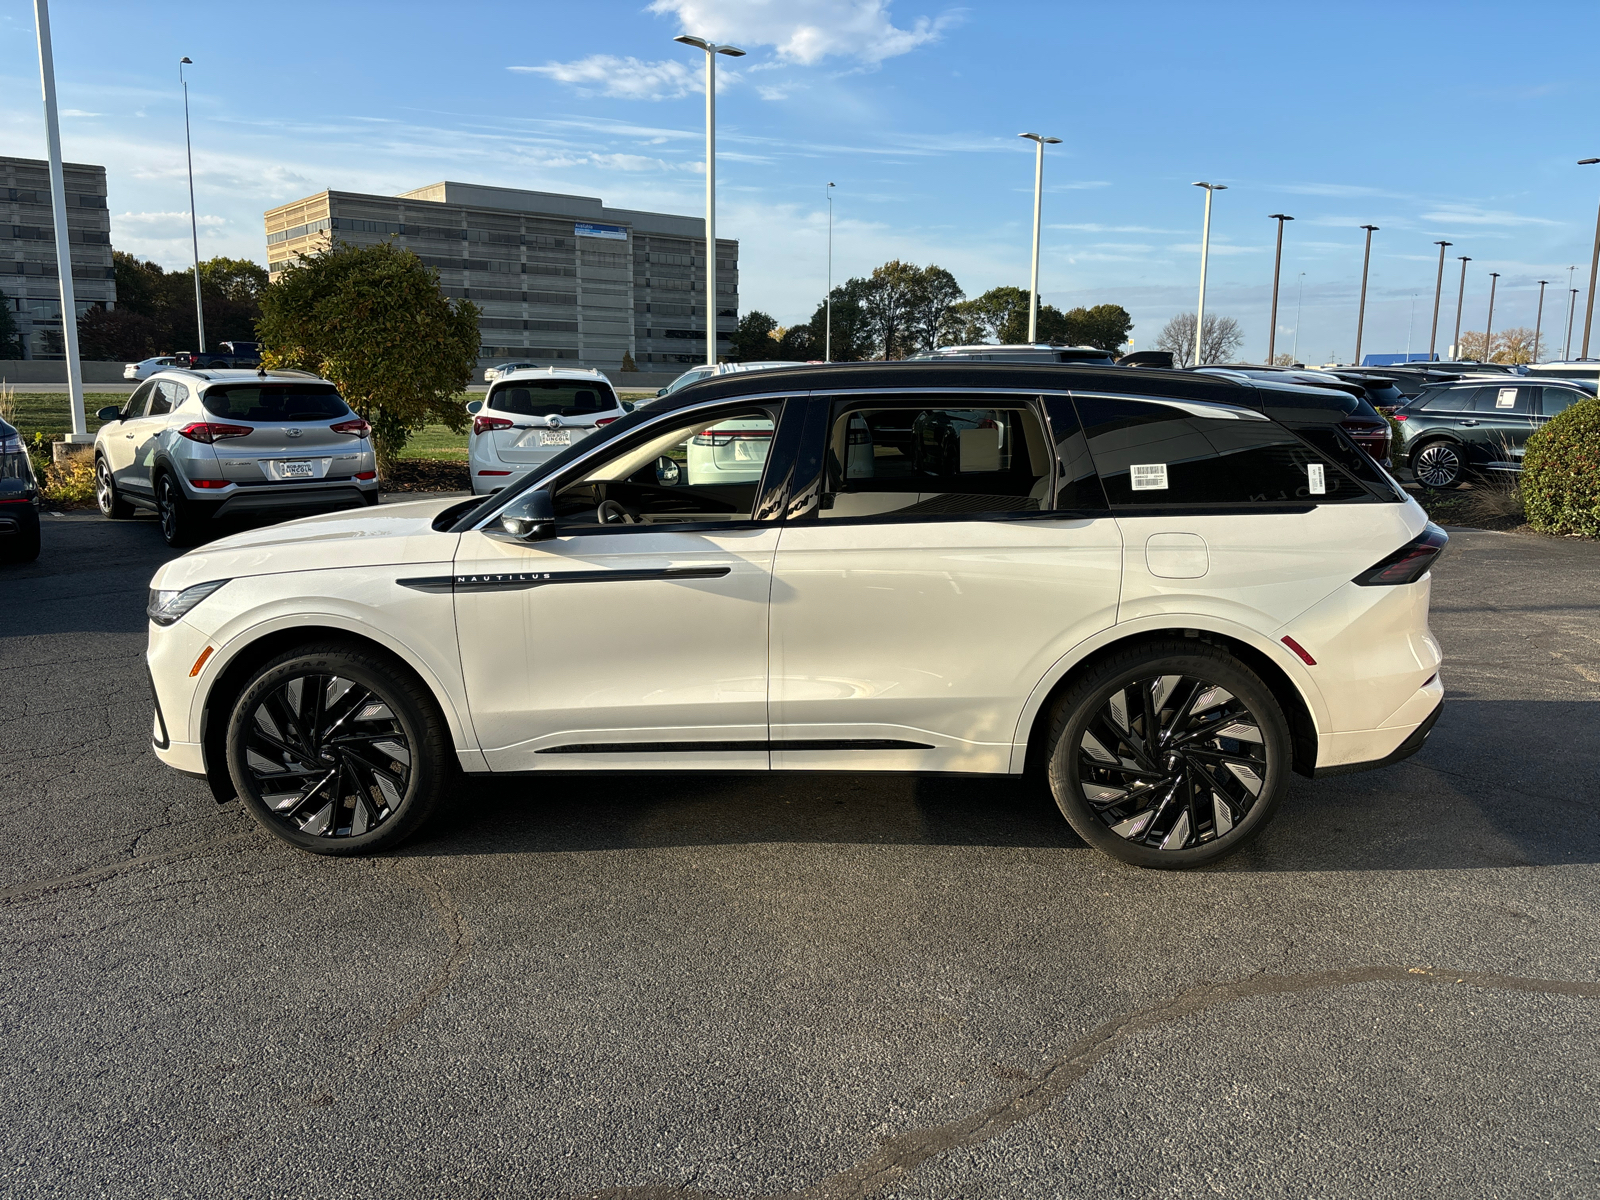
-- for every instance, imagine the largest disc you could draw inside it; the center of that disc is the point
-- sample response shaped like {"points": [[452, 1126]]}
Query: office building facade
{"points": [[28, 278], [560, 280]]}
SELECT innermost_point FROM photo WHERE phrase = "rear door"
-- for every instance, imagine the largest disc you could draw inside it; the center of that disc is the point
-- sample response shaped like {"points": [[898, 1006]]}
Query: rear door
{"points": [[1504, 415], [550, 414]]}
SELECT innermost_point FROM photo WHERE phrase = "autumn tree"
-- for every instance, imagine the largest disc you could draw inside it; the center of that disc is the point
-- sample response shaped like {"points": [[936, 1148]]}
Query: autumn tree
{"points": [[373, 320]]}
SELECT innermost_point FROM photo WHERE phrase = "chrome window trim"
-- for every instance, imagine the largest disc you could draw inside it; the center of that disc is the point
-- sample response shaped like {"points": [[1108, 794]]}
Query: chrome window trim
{"points": [[1195, 408]]}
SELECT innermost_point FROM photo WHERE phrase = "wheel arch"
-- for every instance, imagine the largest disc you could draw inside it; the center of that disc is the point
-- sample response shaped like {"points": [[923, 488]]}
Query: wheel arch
{"points": [[233, 675], [1302, 725]]}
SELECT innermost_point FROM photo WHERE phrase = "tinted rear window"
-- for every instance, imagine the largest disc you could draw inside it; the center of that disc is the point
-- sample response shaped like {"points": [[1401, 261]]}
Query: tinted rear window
{"points": [[561, 397], [274, 402]]}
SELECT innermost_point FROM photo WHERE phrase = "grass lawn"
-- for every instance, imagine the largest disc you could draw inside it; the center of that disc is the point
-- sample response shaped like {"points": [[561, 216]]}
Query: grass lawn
{"points": [[49, 412], [436, 441]]}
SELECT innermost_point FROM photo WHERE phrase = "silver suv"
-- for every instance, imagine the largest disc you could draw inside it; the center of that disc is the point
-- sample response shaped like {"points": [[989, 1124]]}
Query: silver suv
{"points": [[194, 445]]}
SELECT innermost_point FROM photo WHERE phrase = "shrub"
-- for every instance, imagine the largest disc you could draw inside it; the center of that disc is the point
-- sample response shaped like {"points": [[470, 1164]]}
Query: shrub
{"points": [[71, 482], [1561, 473]]}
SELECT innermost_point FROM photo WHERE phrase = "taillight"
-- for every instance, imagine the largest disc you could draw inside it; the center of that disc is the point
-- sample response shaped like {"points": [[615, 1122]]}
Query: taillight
{"points": [[1399, 416], [355, 428], [366, 475], [210, 431], [209, 483], [482, 425], [599, 421], [1409, 563]]}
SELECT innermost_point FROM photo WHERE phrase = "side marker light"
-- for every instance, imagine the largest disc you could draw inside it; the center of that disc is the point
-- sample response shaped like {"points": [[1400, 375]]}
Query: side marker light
{"points": [[200, 662], [1300, 651]]}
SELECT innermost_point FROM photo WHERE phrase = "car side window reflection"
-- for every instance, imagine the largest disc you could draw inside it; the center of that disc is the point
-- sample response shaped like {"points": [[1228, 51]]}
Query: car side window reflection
{"points": [[912, 461], [140, 400], [705, 470]]}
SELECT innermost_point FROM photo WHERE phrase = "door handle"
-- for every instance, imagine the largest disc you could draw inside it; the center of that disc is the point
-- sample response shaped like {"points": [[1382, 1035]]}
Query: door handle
{"points": [[128, 435], [1466, 422]]}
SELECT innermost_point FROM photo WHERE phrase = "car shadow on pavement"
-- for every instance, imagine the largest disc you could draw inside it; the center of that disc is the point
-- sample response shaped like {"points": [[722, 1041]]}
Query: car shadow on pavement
{"points": [[1499, 784]]}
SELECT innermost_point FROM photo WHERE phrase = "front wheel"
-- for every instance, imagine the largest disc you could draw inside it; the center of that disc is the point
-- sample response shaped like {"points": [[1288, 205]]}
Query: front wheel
{"points": [[1438, 465], [1169, 755], [338, 750]]}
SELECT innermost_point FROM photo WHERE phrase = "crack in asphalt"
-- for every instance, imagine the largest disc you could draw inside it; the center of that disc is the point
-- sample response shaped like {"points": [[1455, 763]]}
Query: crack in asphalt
{"points": [[903, 1153], [456, 931], [39, 888]]}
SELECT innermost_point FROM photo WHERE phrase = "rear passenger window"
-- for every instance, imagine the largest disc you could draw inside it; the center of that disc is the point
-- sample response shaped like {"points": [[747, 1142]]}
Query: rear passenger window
{"points": [[1159, 456], [1508, 400], [1447, 400], [934, 461], [1559, 400]]}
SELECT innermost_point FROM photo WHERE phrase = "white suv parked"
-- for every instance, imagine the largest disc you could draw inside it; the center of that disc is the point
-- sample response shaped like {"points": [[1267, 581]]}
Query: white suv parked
{"points": [[194, 445], [532, 414], [1160, 592]]}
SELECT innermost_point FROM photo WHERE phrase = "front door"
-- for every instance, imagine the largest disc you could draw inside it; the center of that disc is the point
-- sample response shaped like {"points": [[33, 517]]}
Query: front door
{"points": [[637, 637], [947, 563], [121, 442], [141, 431]]}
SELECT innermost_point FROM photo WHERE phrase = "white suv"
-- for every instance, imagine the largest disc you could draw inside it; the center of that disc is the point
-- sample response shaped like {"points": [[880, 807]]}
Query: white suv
{"points": [[197, 445], [1159, 592], [532, 414]]}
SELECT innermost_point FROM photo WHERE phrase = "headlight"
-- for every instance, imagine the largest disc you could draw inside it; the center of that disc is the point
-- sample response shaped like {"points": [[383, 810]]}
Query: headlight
{"points": [[165, 607]]}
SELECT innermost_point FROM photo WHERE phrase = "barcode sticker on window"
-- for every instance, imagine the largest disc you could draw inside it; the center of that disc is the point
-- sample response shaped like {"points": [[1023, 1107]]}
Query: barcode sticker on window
{"points": [[1149, 477], [1315, 478], [1506, 398]]}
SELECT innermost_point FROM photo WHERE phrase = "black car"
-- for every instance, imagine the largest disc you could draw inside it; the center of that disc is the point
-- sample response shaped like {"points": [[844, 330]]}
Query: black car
{"points": [[1474, 425], [1361, 421], [19, 500], [1415, 378]]}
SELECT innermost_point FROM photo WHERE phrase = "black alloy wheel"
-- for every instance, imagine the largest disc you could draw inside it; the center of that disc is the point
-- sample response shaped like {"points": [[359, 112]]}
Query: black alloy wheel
{"points": [[179, 523], [111, 503], [1173, 756], [1438, 465], [338, 751]]}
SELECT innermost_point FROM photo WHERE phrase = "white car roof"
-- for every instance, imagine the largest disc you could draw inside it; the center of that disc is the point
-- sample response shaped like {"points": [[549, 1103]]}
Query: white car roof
{"points": [[587, 374]]}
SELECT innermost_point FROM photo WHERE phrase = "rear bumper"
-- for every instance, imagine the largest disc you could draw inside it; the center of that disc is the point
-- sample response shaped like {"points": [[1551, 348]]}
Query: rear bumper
{"points": [[300, 501], [1412, 743]]}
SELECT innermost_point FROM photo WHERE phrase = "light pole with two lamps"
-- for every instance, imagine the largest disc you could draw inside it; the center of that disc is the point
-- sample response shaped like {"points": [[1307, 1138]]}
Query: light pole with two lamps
{"points": [[1461, 297], [1205, 246], [1488, 324], [194, 217], [1594, 265], [1039, 142], [712, 50], [1361, 312], [1538, 321], [1277, 264], [1438, 293]]}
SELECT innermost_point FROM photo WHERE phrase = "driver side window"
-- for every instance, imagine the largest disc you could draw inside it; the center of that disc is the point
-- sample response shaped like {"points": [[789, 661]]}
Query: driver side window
{"points": [[695, 472]]}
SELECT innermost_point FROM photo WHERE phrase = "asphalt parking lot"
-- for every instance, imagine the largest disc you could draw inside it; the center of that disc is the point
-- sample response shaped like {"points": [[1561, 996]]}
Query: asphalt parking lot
{"points": [[844, 986]]}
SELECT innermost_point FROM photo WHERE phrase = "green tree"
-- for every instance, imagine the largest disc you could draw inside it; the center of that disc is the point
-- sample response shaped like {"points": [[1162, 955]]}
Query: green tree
{"points": [[999, 315], [891, 299], [851, 330], [752, 339], [10, 335], [1105, 325], [236, 279], [374, 321]]}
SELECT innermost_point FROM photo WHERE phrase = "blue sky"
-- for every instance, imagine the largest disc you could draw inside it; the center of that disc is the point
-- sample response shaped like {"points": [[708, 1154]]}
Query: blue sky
{"points": [[1459, 121]]}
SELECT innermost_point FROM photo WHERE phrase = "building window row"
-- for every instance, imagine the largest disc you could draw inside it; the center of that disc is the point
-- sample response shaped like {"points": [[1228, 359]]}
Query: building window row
{"points": [[287, 235], [44, 233], [42, 196]]}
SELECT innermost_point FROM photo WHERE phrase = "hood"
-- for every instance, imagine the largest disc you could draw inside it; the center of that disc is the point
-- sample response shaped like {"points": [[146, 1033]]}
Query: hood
{"points": [[364, 537]]}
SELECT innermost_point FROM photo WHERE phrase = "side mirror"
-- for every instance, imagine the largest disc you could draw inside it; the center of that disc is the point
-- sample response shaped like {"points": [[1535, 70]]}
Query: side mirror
{"points": [[668, 472], [529, 518], [110, 412], [661, 391], [475, 407], [628, 405]]}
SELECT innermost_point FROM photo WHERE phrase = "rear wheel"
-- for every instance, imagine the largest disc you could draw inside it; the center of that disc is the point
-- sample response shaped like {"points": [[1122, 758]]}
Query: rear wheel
{"points": [[1438, 465], [338, 750], [181, 522], [110, 500], [1169, 755]]}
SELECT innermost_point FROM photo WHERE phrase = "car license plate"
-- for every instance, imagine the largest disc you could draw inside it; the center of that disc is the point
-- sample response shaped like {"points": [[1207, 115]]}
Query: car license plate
{"points": [[294, 470], [555, 437]]}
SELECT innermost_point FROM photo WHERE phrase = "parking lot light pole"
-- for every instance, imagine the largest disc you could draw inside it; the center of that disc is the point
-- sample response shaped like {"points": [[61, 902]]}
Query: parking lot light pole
{"points": [[712, 50], [1572, 307], [1361, 312], [1594, 265], [194, 217], [1205, 246], [1488, 324], [1039, 142], [1277, 265], [1538, 321], [827, 323], [58, 210], [1461, 296], [1438, 293]]}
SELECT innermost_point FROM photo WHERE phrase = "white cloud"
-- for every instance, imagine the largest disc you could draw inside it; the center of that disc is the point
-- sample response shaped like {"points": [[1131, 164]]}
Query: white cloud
{"points": [[1092, 228], [807, 31], [1470, 215], [78, 112], [627, 78]]}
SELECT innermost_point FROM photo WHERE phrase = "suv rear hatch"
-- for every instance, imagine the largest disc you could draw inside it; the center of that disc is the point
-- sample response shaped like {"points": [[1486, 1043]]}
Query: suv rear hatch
{"points": [[543, 416], [284, 432]]}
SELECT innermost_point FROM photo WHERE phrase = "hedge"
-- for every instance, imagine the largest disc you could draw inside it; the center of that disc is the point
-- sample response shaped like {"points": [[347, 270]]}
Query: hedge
{"points": [[1561, 472]]}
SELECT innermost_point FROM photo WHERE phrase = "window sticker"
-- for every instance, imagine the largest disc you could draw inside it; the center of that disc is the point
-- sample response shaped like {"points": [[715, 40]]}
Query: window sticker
{"points": [[1316, 479], [1148, 477], [1506, 398]]}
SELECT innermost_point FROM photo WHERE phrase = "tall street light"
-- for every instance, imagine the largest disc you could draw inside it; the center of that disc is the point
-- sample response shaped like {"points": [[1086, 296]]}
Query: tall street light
{"points": [[827, 337], [1438, 292], [1205, 246], [1277, 264], [194, 217], [1594, 265], [1538, 321], [1488, 324], [1295, 353], [1361, 313], [712, 50], [58, 209], [1461, 296], [1040, 142], [1572, 307]]}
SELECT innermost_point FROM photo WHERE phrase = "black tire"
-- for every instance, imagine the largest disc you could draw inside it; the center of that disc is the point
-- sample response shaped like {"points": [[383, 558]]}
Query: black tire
{"points": [[359, 736], [1439, 465], [1187, 799], [181, 521], [23, 545], [106, 495]]}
